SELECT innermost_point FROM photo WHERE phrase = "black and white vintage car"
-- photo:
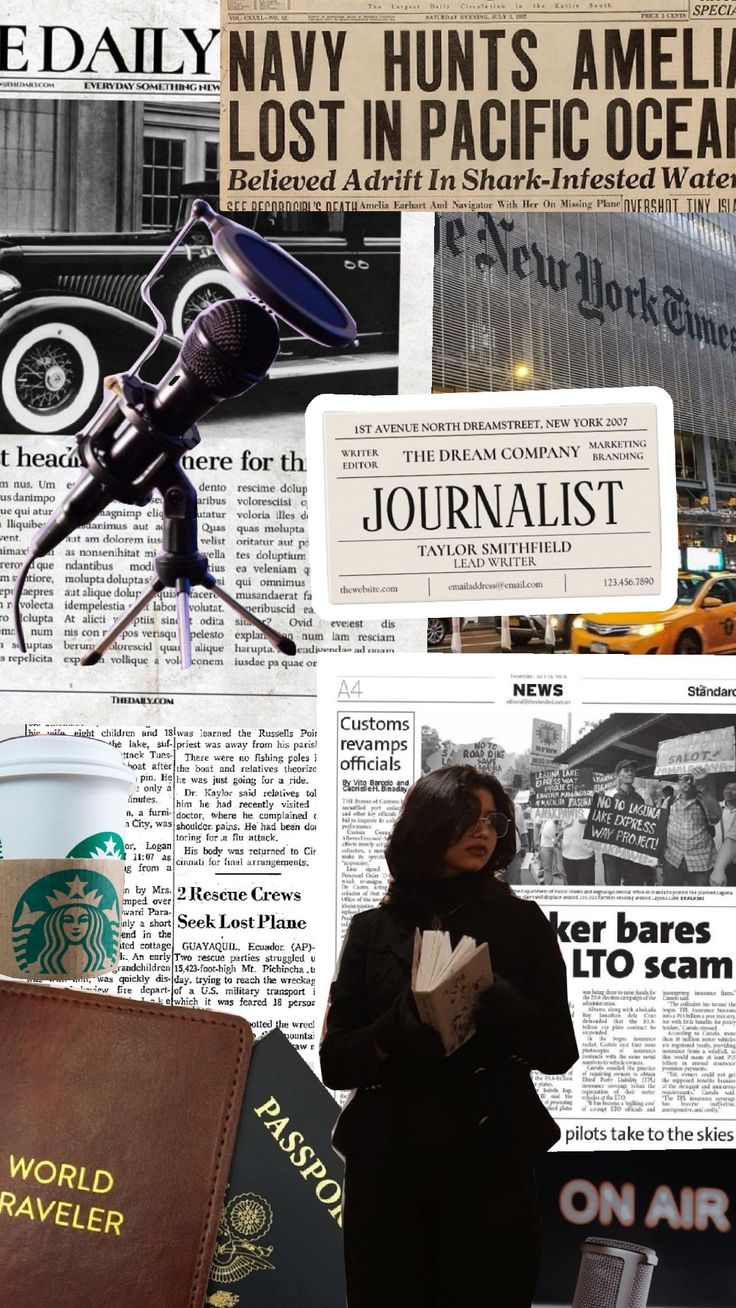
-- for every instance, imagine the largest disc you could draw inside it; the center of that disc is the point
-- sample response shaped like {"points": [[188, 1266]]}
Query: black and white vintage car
{"points": [[70, 311]]}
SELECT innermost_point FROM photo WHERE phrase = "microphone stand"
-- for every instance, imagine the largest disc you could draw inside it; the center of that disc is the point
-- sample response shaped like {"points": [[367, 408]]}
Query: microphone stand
{"points": [[179, 564]]}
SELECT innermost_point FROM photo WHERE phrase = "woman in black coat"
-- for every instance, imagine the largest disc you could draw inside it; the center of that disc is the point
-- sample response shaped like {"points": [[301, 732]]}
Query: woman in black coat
{"points": [[440, 1206]]}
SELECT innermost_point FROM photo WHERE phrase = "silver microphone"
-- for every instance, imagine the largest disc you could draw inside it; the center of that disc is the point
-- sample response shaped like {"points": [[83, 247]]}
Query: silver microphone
{"points": [[614, 1274]]}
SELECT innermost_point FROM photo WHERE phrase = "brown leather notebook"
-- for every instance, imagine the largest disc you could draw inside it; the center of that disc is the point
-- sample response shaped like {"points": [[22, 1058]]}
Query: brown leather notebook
{"points": [[117, 1123]]}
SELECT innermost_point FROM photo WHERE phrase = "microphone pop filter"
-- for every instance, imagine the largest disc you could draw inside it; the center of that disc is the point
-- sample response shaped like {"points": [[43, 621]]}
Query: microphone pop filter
{"points": [[274, 276]]}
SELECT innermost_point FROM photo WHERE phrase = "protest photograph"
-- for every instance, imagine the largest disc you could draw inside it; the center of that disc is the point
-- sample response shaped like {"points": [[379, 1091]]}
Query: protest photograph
{"points": [[635, 801]]}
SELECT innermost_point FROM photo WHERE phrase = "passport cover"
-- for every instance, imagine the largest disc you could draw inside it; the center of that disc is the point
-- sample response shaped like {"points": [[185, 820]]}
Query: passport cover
{"points": [[280, 1238], [117, 1121]]}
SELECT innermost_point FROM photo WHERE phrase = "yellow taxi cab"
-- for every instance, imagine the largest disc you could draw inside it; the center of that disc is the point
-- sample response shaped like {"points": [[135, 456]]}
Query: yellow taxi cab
{"points": [[701, 621]]}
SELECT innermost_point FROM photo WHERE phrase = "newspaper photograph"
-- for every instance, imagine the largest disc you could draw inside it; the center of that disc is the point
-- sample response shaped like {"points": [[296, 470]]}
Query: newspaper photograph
{"points": [[609, 301], [364, 107], [620, 832], [81, 230]]}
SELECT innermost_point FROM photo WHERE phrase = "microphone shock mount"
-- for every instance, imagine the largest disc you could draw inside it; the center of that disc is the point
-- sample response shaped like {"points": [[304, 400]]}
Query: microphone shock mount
{"points": [[180, 564]]}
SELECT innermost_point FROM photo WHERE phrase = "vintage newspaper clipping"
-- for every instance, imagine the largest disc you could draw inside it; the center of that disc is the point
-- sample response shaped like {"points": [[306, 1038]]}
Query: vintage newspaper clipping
{"points": [[373, 106]]}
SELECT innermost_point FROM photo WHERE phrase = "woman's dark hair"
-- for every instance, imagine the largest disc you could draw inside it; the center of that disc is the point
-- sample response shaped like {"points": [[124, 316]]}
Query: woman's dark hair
{"points": [[437, 811]]}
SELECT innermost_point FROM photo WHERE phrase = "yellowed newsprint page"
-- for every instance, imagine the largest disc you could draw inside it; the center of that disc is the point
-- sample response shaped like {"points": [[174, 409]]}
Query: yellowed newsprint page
{"points": [[373, 105]]}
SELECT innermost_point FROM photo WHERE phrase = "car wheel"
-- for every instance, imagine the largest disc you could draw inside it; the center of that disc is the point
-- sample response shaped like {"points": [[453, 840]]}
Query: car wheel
{"points": [[437, 629], [689, 643], [198, 292], [50, 379], [520, 637]]}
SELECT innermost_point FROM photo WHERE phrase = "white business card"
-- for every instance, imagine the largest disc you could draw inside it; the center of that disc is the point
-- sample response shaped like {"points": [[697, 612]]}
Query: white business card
{"points": [[477, 504]]}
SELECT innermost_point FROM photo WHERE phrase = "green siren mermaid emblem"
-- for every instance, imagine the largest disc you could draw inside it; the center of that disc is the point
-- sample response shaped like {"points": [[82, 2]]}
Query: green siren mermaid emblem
{"points": [[67, 924], [104, 844]]}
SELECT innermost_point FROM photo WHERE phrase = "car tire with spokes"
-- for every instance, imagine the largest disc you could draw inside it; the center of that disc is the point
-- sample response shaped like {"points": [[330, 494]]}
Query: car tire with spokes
{"points": [[437, 629], [191, 292], [50, 378]]}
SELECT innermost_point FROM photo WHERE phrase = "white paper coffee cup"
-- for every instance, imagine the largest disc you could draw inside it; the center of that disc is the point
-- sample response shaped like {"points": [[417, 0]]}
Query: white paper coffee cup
{"points": [[63, 813], [62, 797]]}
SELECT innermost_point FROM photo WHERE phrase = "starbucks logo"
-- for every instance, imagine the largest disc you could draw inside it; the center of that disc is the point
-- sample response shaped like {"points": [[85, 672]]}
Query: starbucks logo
{"points": [[104, 844], [67, 924]]}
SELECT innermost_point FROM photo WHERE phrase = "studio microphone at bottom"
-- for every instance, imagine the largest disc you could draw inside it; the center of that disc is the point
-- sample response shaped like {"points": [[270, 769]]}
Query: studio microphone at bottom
{"points": [[227, 350], [614, 1274]]}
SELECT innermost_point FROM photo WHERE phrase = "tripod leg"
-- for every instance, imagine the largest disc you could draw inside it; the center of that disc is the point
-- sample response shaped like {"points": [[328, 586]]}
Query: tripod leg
{"points": [[283, 644], [184, 626], [123, 623]]}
